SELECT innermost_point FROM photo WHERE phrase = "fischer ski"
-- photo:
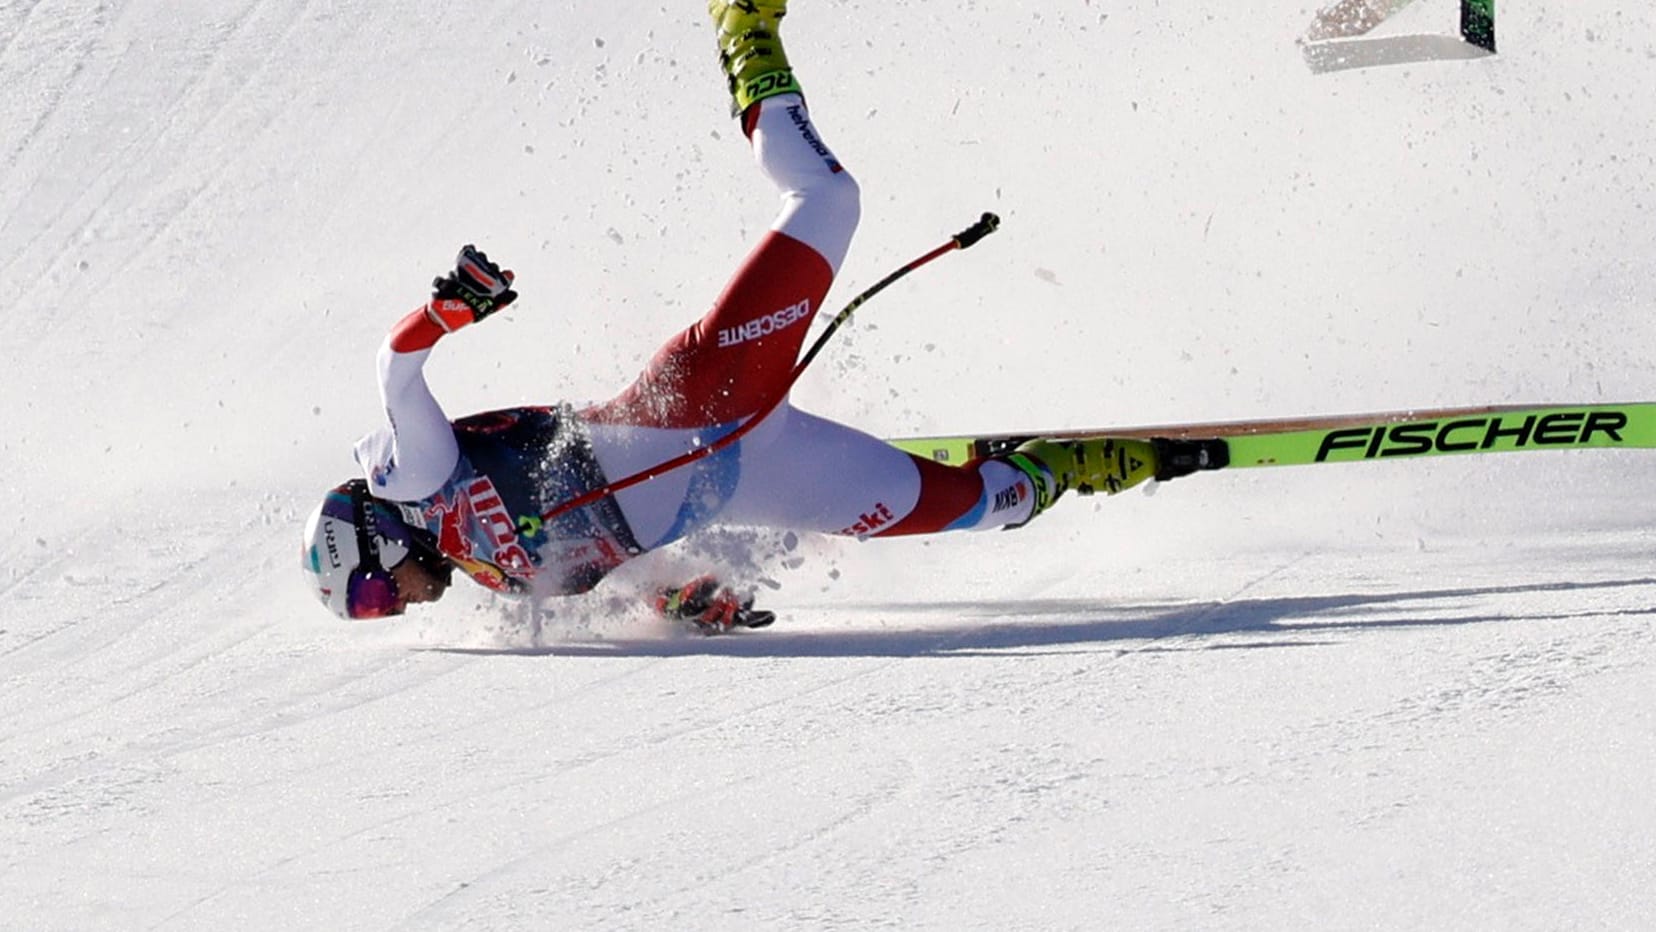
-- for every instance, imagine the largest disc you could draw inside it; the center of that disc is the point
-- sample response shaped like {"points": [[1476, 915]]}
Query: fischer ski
{"points": [[1183, 449]]}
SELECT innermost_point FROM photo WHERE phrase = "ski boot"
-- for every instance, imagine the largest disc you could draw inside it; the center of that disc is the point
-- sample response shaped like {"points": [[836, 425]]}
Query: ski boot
{"points": [[750, 50], [710, 607], [1099, 464]]}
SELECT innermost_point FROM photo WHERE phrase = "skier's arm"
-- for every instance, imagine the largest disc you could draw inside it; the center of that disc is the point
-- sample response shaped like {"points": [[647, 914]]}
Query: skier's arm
{"points": [[416, 454]]}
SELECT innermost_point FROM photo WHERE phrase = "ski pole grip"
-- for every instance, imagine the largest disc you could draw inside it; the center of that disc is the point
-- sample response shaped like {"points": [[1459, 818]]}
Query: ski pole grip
{"points": [[986, 225]]}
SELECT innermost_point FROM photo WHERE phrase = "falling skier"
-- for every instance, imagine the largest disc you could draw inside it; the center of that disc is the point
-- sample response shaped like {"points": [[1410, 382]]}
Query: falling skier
{"points": [[474, 493]]}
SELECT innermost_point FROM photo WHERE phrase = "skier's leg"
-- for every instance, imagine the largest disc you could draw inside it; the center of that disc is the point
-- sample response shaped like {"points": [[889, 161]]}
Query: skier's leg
{"points": [[819, 475], [737, 359], [739, 356]]}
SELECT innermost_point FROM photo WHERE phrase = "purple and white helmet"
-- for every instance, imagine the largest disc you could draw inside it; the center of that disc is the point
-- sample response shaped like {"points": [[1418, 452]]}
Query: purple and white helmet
{"points": [[351, 541]]}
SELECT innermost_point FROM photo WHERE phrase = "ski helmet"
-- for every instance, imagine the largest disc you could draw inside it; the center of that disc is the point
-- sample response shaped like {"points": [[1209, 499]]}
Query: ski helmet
{"points": [[351, 541]]}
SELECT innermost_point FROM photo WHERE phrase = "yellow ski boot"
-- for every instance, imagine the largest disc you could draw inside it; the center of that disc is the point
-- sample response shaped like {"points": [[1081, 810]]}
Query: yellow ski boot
{"points": [[1100, 464], [750, 50]]}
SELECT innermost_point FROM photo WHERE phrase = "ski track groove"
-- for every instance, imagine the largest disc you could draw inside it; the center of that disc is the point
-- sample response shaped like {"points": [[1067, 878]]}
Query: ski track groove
{"points": [[22, 22], [876, 798], [118, 768], [471, 887], [122, 164], [277, 719], [1196, 620], [1500, 683], [105, 643], [428, 807], [46, 323], [192, 125], [203, 121], [64, 555], [164, 662], [458, 663], [866, 806], [868, 803], [272, 721], [54, 100], [1487, 689], [580, 762], [482, 792]]}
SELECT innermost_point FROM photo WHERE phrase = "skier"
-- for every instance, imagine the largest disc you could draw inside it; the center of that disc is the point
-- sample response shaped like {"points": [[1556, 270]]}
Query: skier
{"points": [[472, 493]]}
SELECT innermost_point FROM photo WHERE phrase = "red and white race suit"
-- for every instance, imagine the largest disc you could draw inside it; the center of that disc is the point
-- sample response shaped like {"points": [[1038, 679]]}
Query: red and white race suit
{"points": [[794, 470]]}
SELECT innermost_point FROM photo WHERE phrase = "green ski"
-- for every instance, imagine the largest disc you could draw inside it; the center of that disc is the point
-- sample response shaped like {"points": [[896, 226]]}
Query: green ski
{"points": [[1186, 448]]}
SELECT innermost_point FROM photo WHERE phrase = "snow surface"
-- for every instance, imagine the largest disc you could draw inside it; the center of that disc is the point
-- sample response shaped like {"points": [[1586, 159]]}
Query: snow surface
{"points": [[1413, 695]]}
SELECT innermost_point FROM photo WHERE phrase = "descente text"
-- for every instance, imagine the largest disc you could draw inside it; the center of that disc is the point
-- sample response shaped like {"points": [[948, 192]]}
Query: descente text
{"points": [[766, 325]]}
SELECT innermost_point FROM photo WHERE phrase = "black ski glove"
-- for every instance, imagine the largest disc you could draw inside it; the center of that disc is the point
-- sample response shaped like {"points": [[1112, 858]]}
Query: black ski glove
{"points": [[475, 289], [709, 606]]}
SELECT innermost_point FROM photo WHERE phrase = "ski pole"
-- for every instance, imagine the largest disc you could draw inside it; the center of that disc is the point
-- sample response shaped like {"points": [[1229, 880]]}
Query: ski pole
{"points": [[965, 239]]}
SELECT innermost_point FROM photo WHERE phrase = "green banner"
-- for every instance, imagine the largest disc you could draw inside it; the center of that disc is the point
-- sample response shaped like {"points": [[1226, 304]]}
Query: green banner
{"points": [[1478, 23]]}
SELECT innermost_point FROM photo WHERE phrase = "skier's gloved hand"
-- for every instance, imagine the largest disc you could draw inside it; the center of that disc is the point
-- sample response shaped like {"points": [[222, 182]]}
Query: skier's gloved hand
{"points": [[713, 608], [475, 289]]}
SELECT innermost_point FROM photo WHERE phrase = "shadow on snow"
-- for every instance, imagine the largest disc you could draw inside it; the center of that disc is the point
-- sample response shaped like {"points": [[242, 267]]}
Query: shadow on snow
{"points": [[1349, 54], [1076, 625]]}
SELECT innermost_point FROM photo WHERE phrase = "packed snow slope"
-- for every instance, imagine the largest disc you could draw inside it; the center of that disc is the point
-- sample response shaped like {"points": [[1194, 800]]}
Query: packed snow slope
{"points": [[1401, 695]]}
